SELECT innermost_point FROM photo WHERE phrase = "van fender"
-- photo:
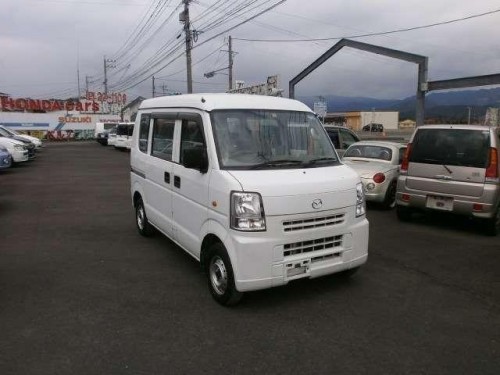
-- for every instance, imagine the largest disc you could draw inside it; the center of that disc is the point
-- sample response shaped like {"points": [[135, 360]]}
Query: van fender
{"points": [[213, 230], [137, 189]]}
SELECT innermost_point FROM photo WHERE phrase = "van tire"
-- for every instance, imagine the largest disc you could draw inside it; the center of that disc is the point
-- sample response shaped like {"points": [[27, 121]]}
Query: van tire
{"points": [[404, 213], [492, 225], [141, 220], [390, 197], [221, 277]]}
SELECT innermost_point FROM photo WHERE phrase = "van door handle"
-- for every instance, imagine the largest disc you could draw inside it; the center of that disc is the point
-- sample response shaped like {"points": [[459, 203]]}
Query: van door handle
{"points": [[166, 177], [177, 182]]}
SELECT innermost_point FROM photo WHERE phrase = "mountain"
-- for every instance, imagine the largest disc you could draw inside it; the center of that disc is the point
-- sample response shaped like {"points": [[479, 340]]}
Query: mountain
{"points": [[451, 106]]}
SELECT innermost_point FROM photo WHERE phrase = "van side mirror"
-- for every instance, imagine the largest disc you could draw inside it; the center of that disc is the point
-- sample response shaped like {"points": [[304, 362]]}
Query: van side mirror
{"points": [[195, 158]]}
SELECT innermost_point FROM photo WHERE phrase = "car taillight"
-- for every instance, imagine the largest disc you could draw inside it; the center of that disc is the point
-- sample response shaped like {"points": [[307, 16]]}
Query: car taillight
{"points": [[379, 178], [406, 159], [492, 169]]}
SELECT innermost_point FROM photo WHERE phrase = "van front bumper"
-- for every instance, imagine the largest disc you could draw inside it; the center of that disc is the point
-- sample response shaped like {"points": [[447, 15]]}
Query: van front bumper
{"points": [[261, 262]]}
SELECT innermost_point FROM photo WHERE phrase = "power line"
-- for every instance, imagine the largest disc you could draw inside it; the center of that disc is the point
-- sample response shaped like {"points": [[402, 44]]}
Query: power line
{"points": [[371, 34], [144, 73]]}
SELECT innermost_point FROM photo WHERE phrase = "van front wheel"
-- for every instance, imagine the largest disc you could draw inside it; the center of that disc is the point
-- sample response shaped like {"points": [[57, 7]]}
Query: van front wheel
{"points": [[143, 226], [221, 277]]}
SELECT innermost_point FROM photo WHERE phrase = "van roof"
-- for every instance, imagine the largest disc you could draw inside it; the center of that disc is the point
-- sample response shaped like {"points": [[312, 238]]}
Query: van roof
{"points": [[210, 102]]}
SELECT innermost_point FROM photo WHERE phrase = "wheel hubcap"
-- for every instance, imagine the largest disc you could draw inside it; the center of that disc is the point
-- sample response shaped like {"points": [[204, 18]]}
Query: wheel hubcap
{"points": [[218, 275], [140, 217]]}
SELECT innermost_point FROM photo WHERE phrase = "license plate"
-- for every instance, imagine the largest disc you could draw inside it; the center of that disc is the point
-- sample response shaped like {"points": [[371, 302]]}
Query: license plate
{"points": [[439, 203]]}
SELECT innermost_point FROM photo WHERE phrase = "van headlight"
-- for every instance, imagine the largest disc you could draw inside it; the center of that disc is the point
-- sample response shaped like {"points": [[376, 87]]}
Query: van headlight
{"points": [[247, 212], [19, 147], [360, 200]]}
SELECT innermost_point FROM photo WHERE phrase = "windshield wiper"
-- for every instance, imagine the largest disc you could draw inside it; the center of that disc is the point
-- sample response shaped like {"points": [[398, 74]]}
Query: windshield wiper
{"points": [[276, 163], [318, 160]]}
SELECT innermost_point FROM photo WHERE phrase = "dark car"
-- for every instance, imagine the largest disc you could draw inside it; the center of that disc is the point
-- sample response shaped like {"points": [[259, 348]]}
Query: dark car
{"points": [[372, 127], [102, 138], [341, 137], [5, 158]]}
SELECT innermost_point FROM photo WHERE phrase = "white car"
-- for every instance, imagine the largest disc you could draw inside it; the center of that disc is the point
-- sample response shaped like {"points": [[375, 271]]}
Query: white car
{"points": [[377, 163], [112, 136], [37, 142], [17, 149]]}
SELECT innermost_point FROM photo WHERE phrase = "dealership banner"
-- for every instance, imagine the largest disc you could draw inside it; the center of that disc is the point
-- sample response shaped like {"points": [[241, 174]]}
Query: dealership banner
{"points": [[54, 121]]}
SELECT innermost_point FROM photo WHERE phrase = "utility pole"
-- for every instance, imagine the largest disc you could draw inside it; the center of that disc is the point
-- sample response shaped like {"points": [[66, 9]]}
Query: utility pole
{"points": [[230, 63], [86, 85], [105, 77], [468, 117], [153, 86], [108, 63], [184, 17]]}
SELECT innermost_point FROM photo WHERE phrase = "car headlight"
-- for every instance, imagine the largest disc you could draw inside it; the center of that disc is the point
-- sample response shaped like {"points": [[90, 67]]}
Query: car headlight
{"points": [[247, 212], [360, 200], [19, 147]]}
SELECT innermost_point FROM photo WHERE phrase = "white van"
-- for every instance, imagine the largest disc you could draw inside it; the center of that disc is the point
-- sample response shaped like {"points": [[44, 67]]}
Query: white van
{"points": [[123, 138], [100, 127], [250, 186]]}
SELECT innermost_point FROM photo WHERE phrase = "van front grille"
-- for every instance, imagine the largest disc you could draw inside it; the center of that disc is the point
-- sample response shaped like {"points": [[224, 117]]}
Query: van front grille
{"points": [[315, 222], [312, 245]]}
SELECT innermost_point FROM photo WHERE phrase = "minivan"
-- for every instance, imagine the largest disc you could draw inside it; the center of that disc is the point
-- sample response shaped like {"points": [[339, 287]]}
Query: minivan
{"points": [[452, 168], [124, 131], [248, 185]]}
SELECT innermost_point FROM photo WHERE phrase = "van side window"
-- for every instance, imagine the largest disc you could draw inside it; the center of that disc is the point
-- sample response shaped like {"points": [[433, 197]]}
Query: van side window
{"points": [[191, 136], [144, 133], [163, 135]]}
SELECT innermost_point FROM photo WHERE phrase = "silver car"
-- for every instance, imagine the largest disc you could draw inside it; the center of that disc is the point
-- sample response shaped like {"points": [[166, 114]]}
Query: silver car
{"points": [[452, 168], [377, 163]]}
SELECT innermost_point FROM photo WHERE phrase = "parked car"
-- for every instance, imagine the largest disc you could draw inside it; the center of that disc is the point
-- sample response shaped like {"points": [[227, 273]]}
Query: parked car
{"points": [[101, 127], [250, 186], [341, 137], [17, 149], [102, 138], [124, 131], [5, 158], [452, 168], [377, 163], [112, 136], [29, 145], [372, 127], [37, 142]]}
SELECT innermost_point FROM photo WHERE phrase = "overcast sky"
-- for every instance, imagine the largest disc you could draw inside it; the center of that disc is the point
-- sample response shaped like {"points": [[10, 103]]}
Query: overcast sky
{"points": [[43, 44]]}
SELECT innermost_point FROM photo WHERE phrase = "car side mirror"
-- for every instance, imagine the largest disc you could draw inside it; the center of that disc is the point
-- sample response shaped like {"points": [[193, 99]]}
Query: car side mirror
{"points": [[195, 158]]}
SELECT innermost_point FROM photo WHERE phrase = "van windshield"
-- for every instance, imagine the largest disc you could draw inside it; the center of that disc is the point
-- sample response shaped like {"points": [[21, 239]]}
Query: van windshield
{"points": [[460, 147], [268, 139]]}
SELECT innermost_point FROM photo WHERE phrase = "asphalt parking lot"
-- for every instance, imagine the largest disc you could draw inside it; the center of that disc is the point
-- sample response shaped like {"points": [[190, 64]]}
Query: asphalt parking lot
{"points": [[82, 293]]}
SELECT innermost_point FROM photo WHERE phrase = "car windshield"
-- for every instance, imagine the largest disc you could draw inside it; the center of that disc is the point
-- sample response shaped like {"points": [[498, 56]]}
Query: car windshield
{"points": [[124, 129], [369, 152], [10, 131], [267, 139], [5, 133], [459, 147]]}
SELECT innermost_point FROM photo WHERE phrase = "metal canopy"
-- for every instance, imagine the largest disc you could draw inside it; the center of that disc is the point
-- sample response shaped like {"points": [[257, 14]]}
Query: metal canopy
{"points": [[422, 62]]}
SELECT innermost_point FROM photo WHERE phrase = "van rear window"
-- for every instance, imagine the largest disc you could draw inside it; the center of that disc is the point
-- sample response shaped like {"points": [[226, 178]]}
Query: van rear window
{"points": [[460, 147]]}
